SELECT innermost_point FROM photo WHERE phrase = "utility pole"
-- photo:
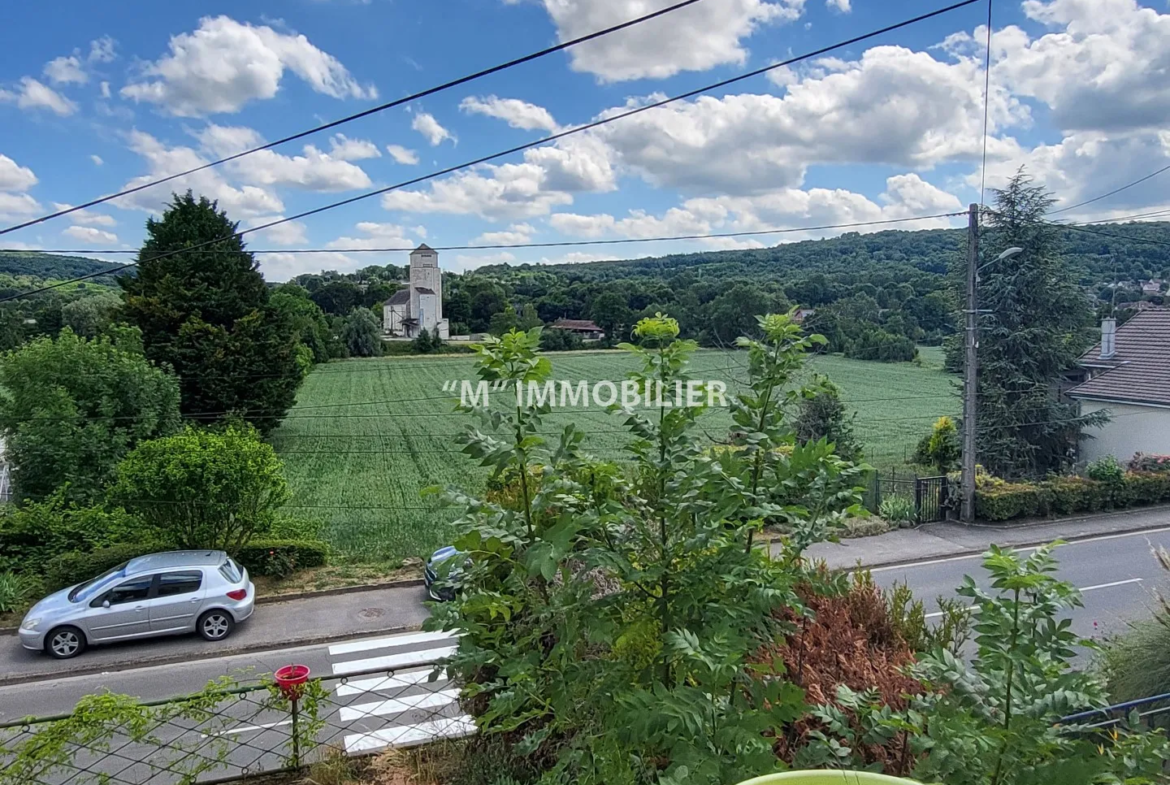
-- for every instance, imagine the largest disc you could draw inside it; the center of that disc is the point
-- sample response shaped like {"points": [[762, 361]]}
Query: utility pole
{"points": [[970, 366]]}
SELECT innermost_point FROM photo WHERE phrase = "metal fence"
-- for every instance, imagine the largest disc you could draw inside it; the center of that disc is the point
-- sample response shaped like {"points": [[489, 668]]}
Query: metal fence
{"points": [[933, 497], [229, 731]]}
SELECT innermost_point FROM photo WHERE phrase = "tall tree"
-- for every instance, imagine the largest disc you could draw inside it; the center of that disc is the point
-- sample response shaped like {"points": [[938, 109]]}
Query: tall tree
{"points": [[362, 333], [611, 313], [206, 313], [71, 408], [1038, 322]]}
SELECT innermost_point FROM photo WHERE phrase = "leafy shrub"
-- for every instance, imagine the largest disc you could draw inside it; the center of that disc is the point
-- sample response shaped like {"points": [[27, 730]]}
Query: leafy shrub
{"points": [[898, 510], [556, 340], [67, 569], [14, 591], [941, 448], [32, 534], [1001, 501], [1136, 664], [280, 558], [1150, 463], [1106, 469]]}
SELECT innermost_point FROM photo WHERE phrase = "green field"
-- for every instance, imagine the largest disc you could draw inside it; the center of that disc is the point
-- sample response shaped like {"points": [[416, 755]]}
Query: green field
{"points": [[367, 435]]}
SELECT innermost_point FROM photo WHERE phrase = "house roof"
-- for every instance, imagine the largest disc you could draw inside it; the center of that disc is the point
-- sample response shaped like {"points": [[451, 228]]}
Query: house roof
{"points": [[400, 297], [575, 324], [1139, 371], [424, 290], [423, 247]]}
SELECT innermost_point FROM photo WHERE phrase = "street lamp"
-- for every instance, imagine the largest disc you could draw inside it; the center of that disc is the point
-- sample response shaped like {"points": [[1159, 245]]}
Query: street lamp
{"points": [[970, 385]]}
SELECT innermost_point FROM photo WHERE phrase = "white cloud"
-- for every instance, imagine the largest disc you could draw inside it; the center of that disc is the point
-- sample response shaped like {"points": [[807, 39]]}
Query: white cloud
{"points": [[515, 235], [575, 163], [283, 266], [429, 127], [288, 233], [87, 234], [893, 106], [66, 70], [312, 171], [375, 235], [225, 64], [86, 217], [516, 113], [101, 50], [343, 148], [402, 155], [16, 206], [582, 225], [243, 202], [97, 160], [695, 38], [105, 88], [14, 177], [1103, 69], [36, 95], [581, 257], [841, 5], [510, 191]]}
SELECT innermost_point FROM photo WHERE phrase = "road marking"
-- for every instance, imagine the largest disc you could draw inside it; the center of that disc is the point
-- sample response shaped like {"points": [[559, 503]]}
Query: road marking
{"points": [[391, 661], [410, 734], [409, 639], [427, 700], [965, 557], [246, 729], [385, 683], [936, 614]]}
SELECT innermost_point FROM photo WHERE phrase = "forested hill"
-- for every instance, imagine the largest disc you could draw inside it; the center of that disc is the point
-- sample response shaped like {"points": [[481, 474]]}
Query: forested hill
{"points": [[55, 267], [1098, 257]]}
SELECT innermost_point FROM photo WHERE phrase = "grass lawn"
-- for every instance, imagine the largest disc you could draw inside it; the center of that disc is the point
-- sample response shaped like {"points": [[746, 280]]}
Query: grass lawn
{"points": [[367, 435]]}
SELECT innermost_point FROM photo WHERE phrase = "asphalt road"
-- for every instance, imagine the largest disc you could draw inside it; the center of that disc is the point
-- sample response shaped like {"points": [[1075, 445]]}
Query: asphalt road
{"points": [[1116, 573]]}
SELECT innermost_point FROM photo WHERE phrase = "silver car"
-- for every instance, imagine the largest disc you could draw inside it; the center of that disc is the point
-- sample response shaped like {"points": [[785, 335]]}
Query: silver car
{"points": [[158, 594]]}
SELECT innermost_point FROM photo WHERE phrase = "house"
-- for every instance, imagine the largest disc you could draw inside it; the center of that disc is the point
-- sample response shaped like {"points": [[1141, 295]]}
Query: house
{"points": [[583, 327], [418, 306], [1128, 374], [803, 313], [1152, 287]]}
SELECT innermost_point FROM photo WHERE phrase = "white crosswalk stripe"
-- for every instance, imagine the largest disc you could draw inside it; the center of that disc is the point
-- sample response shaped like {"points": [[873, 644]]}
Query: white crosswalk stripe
{"points": [[398, 707]]}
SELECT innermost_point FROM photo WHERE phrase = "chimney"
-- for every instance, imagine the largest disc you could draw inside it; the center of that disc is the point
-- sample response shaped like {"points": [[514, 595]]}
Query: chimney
{"points": [[1108, 338]]}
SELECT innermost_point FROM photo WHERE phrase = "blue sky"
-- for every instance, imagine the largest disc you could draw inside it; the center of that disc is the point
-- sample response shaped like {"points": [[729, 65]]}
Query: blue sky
{"points": [[94, 97]]}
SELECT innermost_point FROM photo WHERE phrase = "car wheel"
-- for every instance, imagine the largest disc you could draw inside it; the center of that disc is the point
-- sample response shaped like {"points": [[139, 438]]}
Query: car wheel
{"points": [[64, 643], [216, 625]]}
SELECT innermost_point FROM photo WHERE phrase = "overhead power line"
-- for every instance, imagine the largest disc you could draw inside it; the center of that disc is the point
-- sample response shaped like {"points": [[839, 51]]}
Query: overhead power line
{"points": [[366, 113], [1106, 195], [556, 244], [520, 148]]}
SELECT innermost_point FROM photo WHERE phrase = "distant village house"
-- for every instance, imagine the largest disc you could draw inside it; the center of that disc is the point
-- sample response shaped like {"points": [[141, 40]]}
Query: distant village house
{"points": [[1128, 374], [583, 327]]}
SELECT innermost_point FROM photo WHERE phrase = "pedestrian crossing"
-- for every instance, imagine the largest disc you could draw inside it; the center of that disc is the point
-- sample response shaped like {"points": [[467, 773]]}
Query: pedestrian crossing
{"points": [[409, 703]]}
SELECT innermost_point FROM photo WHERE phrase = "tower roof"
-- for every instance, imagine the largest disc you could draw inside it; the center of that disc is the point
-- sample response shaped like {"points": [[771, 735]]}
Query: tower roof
{"points": [[423, 247]]}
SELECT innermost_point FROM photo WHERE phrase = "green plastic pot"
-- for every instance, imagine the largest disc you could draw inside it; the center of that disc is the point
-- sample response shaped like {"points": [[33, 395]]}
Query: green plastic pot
{"points": [[827, 777]]}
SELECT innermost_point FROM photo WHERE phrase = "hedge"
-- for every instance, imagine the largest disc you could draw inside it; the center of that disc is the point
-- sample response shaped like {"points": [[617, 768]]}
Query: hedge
{"points": [[1068, 495], [278, 557], [73, 567]]}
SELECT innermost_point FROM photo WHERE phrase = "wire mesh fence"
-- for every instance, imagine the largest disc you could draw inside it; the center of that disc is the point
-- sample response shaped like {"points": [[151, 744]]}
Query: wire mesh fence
{"points": [[231, 730]]}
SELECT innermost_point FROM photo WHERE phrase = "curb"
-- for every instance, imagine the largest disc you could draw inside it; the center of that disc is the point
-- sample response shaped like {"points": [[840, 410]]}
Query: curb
{"points": [[171, 659], [271, 599], [1027, 524]]}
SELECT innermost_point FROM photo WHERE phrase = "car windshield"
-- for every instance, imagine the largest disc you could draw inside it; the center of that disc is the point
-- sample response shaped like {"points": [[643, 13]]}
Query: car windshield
{"points": [[90, 588]]}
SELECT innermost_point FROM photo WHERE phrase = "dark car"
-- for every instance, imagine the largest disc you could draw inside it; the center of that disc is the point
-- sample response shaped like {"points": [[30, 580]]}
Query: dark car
{"points": [[441, 576]]}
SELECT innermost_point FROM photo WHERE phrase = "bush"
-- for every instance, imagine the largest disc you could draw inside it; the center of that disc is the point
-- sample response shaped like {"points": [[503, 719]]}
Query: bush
{"points": [[280, 558], [75, 567], [898, 510], [941, 448], [33, 534], [557, 340], [1106, 469], [1150, 463], [1002, 501], [15, 590]]}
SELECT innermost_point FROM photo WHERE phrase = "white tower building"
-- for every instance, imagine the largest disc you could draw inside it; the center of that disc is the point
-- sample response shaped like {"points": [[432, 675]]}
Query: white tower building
{"points": [[420, 305]]}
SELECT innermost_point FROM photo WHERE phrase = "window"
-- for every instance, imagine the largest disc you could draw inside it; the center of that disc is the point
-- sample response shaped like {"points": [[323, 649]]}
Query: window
{"points": [[136, 589], [230, 570], [172, 583]]}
